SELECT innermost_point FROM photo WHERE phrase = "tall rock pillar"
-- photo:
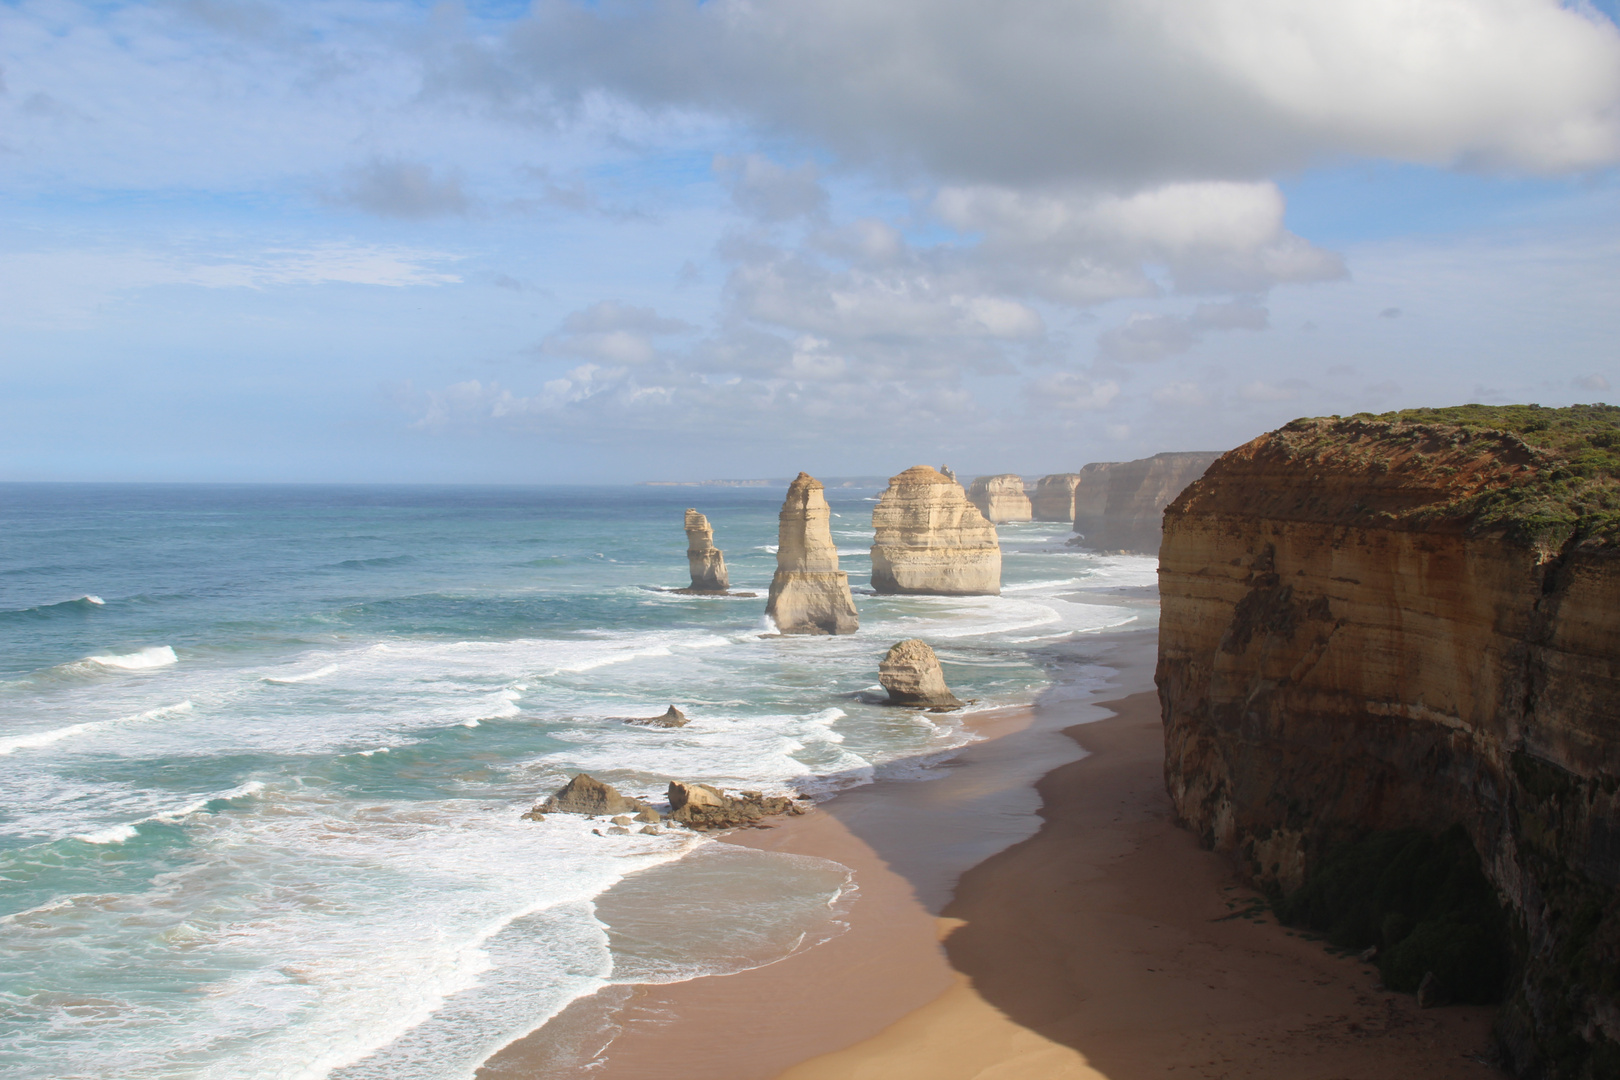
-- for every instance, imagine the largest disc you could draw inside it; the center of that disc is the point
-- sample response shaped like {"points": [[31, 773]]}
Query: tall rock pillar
{"points": [[809, 594], [930, 539], [708, 563]]}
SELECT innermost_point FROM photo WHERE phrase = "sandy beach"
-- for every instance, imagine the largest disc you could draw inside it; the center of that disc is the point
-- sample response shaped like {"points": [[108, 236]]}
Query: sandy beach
{"points": [[1033, 912]]}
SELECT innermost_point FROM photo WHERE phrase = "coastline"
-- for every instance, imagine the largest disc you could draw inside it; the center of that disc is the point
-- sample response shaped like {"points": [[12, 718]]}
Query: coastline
{"points": [[1031, 912]]}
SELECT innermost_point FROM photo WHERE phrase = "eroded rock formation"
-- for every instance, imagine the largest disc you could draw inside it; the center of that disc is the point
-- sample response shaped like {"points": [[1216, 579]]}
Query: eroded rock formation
{"points": [[1119, 505], [585, 794], [1054, 497], [809, 594], [930, 539], [910, 673], [1000, 498], [1380, 624], [672, 718], [707, 562], [700, 806]]}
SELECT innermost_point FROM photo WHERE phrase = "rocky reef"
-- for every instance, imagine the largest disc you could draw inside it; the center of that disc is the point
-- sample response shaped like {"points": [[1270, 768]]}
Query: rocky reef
{"points": [[931, 540], [1389, 660], [1118, 505], [707, 562], [706, 808], [1000, 498], [910, 673], [585, 794], [1054, 497], [809, 594], [671, 718]]}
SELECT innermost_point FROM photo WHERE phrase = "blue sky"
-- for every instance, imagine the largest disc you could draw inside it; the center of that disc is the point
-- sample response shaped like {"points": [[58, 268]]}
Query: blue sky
{"points": [[543, 243]]}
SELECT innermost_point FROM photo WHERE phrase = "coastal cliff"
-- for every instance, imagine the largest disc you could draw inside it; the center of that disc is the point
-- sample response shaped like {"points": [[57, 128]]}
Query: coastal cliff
{"points": [[809, 594], [1000, 498], [930, 539], [1402, 634], [1118, 505], [1054, 497], [707, 562]]}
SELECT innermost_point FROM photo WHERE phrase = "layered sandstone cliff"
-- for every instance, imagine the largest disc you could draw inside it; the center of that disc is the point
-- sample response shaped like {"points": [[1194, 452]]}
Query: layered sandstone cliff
{"points": [[931, 539], [1118, 505], [1000, 498], [1379, 624], [707, 562], [1054, 497], [809, 594]]}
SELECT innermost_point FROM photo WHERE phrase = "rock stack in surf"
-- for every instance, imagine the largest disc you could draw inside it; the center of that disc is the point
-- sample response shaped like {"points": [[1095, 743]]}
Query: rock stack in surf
{"points": [[809, 594], [707, 562], [930, 540]]}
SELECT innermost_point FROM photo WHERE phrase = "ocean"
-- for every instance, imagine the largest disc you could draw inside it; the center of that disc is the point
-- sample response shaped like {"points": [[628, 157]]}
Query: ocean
{"points": [[263, 752]]}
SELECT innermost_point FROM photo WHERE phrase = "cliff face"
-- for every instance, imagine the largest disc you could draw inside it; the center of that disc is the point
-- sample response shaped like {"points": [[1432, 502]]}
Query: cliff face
{"points": [[1000, 498], [1054, 497], [930, 539], [809, 594], [707, 562], [1355, 636], [1118, 505]]}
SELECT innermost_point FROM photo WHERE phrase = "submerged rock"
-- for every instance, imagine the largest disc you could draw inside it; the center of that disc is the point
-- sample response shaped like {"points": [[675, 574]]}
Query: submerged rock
{"points": [[586, 795], [809, 594], [929, 539], [706, 562], [1001, 498], [910, 673], [703, 807], [673, 718]]}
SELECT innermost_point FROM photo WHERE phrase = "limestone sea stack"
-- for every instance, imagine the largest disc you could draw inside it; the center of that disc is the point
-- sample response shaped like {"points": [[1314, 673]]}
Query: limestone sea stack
{"points": [[809, 594], [910, 673], [707, 562], [1389, 654], [1119, 505], [1054, 497], [1001, 498], [931, 541]]}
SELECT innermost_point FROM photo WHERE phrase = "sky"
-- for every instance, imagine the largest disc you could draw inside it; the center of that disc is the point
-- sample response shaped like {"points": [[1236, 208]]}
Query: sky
{"points": [[604, 242]]}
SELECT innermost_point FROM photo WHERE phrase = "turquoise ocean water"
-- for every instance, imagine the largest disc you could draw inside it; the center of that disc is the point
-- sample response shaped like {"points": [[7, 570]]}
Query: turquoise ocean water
{"points": [[263, 752]]}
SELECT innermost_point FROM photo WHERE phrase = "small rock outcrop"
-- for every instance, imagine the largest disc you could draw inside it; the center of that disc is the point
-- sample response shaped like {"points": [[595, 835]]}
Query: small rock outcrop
{"points": [[673, 718], [1054, 497], [707, 562], [1119, 505], [931, 540], [947, 472], [1001, 498], [702, 807], [809, 594], [910, 673], [585, 794]]}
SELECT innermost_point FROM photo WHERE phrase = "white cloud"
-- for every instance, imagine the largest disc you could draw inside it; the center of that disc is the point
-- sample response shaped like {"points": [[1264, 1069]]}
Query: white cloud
{"points": [[1593, 381]]}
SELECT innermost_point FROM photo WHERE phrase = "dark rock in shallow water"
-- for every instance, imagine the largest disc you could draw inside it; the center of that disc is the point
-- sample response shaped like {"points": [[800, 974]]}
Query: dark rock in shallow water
{"points": [[586, 795], [911, 675], [673, 718], [702, 807]]}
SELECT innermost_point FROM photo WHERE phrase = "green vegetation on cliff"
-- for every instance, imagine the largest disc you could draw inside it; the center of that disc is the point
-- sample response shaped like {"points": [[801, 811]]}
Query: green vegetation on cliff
{"points": [[1571, 492]]}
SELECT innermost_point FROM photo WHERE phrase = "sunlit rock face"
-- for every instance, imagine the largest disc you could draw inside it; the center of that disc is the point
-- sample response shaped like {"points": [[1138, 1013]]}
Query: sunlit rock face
{"points": [[1054, 497], [1347, 644], [1000, 498], [809, 594], [707, 562], [931, 540], [1118, 505]]}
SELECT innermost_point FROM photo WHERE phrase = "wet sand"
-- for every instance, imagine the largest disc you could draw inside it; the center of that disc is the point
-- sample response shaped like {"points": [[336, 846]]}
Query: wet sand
{"points": [[1105, 944]]}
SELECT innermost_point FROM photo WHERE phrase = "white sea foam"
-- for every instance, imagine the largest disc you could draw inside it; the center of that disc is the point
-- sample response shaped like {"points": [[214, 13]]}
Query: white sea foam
{"points": [[36, 740], [93, 599], [290, 680], [154, 656], [113, 834]]}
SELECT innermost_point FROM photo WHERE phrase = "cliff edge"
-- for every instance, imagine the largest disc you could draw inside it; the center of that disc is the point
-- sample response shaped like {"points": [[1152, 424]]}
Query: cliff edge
{"points": [[1118, 505], [1398, 637]]}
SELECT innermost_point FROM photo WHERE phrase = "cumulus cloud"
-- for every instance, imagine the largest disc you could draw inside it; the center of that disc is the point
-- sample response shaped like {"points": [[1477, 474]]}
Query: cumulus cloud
{"points": [[1127, 91], [1593, 381], [769, 191], [613, 333]]}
